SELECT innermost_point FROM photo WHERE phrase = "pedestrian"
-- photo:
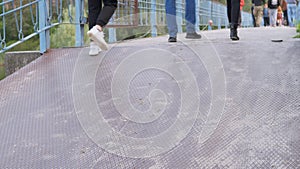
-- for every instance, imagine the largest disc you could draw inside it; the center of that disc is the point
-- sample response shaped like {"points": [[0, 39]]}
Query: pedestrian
{"points": [[279, 16], [291, 10], [98, 18], [266, 15], [258, 11], [190, 17], [233, 11], [273, 9]]}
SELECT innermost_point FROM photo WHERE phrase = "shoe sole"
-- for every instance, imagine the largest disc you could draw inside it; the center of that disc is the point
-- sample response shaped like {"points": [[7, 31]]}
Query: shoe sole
{"points": [[94, 54], [102, 45], [235, 39]]}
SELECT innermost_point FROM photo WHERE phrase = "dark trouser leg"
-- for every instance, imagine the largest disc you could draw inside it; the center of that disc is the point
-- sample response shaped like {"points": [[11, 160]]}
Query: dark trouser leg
{"points": [[285, 14], [229, 10], [233, 11], [107, 11], [94, 7]]}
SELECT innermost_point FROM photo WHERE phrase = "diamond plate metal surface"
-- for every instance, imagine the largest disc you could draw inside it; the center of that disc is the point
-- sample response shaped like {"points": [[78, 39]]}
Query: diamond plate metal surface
{"points": [[259, 127]]}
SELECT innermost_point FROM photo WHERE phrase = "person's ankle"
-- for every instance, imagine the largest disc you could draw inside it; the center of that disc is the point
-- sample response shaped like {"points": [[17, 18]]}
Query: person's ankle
{"points": [[99, 28]]}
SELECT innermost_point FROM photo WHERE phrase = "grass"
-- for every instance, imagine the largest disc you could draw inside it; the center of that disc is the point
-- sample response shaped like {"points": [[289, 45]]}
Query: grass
{"points": [[298, 30], [2, 68]]}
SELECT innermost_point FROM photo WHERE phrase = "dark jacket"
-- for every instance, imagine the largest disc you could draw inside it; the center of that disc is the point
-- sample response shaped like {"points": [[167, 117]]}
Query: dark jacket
{"points": [[273, 4], [258, 2]]}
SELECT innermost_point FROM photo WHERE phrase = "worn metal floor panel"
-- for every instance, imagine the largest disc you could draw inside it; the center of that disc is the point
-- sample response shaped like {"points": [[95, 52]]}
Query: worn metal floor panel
{"points": [[146, 103]]}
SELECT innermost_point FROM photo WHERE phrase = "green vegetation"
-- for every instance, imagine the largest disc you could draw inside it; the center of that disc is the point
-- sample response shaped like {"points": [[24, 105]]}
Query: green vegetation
{"points": [[2, 68], [298, 30], [12, 31]]}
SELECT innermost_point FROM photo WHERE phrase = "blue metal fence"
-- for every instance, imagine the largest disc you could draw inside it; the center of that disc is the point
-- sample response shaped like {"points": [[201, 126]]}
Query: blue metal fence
{"points": [[45, 14]]}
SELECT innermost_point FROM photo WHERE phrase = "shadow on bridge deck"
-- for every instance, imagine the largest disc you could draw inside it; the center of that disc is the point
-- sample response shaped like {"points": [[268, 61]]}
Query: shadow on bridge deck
{"points": [[209, 103]]}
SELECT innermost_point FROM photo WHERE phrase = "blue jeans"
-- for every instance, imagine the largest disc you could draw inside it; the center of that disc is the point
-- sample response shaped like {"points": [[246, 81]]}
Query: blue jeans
{"points": [[298, 13], [291, 10], [190, 16]]}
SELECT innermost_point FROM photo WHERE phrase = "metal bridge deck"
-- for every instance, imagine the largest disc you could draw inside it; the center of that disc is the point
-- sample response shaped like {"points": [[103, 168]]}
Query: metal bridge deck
{"points": [[242, 102]]}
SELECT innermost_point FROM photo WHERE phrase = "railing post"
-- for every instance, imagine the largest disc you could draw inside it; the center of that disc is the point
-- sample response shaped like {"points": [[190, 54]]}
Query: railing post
{"points": [[153, 19], [79, 40], [112, 35], [210, 15], [45, 34]]}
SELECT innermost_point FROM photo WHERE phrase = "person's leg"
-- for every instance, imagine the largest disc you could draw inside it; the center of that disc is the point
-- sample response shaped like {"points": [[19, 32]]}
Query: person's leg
{"points": [[107, 11], [272, 17], [190, 15], [265, 21], [255, 15], [94, 9], [293, 13], [229, 10], [259, 12], [275, 16], [234, 18], [96, 32], [235, 11], [190, 18], [285, 15], [252, 13], [298, 12], [289, 11], [171, 18]]}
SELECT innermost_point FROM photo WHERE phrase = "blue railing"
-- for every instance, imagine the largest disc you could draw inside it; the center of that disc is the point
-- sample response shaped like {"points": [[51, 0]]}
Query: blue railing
{"points": [[45, 14]]}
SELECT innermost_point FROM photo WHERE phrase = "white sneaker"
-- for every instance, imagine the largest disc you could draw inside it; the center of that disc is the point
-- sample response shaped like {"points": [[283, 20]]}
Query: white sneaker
{"points": [[98, 38], [94, 49]]}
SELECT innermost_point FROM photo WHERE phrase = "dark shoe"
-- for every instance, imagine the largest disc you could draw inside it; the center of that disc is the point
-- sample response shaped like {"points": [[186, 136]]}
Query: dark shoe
{"points": [[233, 33], [193, 35], [172, 39]]}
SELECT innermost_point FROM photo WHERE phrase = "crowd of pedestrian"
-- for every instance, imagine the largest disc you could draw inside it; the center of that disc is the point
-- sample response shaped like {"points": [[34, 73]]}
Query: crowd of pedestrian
{"points": [[271, 12], [274, 12]]}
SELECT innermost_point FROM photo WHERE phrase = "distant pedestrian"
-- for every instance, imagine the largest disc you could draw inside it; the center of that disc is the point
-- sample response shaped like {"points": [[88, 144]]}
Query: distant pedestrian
{"points": [[98, 18], [233, 12], [258, 11], [291, 10], [266, 15], [273, 8], [190, 17], [279, 16]]}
